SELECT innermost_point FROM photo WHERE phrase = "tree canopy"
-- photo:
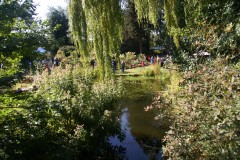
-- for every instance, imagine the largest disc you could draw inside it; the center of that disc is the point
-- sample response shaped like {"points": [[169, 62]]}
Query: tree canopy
{"points": [[20, 35], [97, 26], [135, 34], [58, 25]]}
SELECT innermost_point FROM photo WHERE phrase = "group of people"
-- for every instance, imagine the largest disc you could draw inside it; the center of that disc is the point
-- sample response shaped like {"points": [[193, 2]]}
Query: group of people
{"points": [[154, 59], [151, 59], [114, 66], [158, 60]]}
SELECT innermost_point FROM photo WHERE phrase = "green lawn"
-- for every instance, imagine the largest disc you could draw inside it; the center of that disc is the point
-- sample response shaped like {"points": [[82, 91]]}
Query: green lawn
{"points": [[133, 71]]}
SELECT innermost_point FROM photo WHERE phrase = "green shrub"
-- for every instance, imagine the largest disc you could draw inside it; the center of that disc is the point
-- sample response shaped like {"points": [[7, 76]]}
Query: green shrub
{"points": [[9, 70], [130, 56], [147, 72], [72, 115], [85, 107], [205, 114], [141, 57]]}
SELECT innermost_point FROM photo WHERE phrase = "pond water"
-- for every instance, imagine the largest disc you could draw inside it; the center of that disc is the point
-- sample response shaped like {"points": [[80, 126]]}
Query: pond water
{"points": [[143, 133]]}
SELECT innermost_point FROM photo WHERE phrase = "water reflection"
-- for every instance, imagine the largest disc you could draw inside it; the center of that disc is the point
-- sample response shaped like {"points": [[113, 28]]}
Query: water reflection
{"points": [[133, 149], [143, 133]]}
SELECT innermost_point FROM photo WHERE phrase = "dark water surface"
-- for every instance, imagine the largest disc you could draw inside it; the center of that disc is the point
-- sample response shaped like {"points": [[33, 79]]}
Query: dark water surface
{"points": [[143, 132]]}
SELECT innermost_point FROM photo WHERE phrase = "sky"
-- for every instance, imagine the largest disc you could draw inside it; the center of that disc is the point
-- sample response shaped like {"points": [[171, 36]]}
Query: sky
{"points": [[43, 6]]}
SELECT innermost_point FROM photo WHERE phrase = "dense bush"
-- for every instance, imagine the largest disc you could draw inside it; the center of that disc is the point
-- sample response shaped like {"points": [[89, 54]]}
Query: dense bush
{"points": [[129, 57], [205, 114], [148, 72], [70, 116]]}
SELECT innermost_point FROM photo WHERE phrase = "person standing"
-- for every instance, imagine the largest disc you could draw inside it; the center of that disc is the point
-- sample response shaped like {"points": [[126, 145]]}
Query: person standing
{"points": [[123, 66], [56, 61], [152, 60], [143, 64]]}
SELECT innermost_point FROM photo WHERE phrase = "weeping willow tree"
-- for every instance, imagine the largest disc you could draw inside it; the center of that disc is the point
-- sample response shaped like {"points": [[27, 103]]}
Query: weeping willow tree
{"points": [[97, 27], [171, 18], [173, 14]]}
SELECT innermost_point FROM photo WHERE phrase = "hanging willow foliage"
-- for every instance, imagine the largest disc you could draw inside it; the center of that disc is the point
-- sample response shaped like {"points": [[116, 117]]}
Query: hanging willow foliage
{"points": [[78, 26], [97, 27], [148, 9], [173, 10], [171, 19]]}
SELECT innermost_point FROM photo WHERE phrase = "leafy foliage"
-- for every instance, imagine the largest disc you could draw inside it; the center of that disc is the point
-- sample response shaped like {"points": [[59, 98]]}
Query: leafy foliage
{"points": [[207, 25], [129, 57], [148, 72], [9, 68], [148, 10], [19, 32], [135, 33], [97, 27], [20, 36], [58, 25], [204, 114], [71, 115]]}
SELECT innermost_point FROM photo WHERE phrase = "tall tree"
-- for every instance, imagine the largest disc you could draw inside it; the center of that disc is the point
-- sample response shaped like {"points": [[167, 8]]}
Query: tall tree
{"points": [[97, 27], [160, 36], [136, 35], [59, 28], [20, 35], [187, 21]]}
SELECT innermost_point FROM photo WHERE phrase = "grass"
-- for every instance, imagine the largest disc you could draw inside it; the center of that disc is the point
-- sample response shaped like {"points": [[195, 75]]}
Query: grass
{"points": [[133, 71]]}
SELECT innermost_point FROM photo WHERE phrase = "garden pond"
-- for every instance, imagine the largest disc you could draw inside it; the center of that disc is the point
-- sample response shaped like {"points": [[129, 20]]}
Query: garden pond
{"points": [[143, 133]]}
